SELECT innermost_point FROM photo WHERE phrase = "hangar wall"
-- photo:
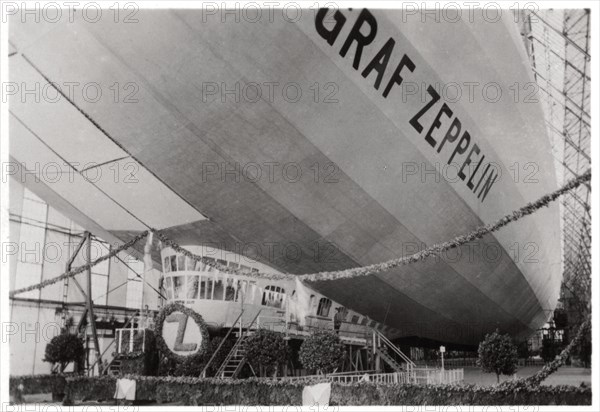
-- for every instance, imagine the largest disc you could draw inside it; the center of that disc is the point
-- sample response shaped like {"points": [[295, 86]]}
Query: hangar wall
{"points": [[41, 241]]}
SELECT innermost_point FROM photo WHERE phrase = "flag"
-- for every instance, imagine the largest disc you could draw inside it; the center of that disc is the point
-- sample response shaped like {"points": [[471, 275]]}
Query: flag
{"points": [[148, 267], [301, 304]]}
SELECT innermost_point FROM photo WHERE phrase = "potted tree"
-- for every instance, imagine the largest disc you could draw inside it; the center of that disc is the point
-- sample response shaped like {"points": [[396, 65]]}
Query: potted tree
{"points": [[266, 351], [323, 351], [62, 350]]}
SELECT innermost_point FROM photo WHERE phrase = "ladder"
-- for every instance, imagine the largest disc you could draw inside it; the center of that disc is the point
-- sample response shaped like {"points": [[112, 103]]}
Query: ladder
{"points": [[87, 318], [84, 332]]}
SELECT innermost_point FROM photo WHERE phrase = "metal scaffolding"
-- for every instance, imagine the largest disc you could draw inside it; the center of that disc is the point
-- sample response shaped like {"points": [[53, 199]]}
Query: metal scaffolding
{"points": [[558, 44]]}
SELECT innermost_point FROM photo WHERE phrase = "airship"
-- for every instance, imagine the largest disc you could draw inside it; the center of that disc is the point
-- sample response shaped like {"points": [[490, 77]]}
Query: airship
{"points": [[302, 141]]}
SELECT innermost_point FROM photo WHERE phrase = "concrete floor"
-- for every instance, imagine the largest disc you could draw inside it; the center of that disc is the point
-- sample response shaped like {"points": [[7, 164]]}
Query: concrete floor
{"points": [[564, 376]]}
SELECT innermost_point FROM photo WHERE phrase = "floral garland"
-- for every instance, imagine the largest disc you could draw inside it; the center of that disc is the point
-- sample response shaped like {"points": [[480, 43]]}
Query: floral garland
{"points": [[215, 265], [160, 341], [435, 249], [80, 269], [432, 250], [537, 378]]}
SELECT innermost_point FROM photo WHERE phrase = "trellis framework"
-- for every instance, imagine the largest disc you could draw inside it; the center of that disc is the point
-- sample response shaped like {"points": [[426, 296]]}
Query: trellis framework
{"points": [[558, 44]]}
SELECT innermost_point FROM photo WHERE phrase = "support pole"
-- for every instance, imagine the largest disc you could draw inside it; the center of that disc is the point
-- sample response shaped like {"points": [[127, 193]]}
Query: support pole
{"points": [[147, 268], [66, 282], [131, 333], [374, 352], [90, 302], [359, 360]]}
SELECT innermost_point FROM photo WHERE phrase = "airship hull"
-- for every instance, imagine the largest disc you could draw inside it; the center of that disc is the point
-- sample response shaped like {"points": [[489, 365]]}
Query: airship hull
{"points": [[312, 151]]}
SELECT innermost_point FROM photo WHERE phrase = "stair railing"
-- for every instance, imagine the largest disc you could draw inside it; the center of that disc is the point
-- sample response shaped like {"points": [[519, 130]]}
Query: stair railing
{"points": [[203, 373], [389, 344], [253, 320], [104, 369]]}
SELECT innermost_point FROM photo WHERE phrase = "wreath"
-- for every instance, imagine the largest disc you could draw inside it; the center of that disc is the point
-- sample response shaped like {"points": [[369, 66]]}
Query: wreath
{"points": [[162, 345]]}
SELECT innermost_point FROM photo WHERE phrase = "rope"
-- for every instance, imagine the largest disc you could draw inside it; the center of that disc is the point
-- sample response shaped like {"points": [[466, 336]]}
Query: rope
{"points": [[435, 249]]}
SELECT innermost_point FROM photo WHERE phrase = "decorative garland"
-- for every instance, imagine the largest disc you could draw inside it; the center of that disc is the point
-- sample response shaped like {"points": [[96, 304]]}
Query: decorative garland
{"points": [[160, 341], [80, 269], [537, 378], [435, 249], [215, 265]]}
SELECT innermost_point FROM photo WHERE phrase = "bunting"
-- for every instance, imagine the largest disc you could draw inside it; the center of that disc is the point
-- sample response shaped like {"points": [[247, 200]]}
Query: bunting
{"points": [[301, 302]]}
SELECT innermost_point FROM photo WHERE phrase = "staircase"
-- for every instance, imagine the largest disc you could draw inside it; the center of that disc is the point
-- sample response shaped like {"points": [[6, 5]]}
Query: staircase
{"points": [[390, 360], [235, 360], [114, 367], [390, 353]]}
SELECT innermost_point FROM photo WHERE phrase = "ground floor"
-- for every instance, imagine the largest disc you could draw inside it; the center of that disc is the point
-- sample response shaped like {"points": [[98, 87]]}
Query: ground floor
{"points": [[564, 376]]}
